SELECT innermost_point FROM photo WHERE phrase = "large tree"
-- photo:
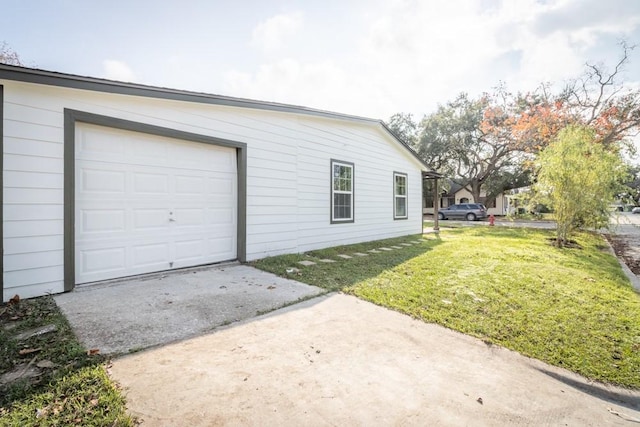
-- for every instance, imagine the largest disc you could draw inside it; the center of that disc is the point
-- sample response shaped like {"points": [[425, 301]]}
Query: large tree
{"points": [[597, 99], [404, 127], [489, 142], [454, 141], [578, 177]]}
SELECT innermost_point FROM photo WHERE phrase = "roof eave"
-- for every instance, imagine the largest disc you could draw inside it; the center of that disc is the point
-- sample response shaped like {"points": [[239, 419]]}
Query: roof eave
{"points": [[52, 78]]}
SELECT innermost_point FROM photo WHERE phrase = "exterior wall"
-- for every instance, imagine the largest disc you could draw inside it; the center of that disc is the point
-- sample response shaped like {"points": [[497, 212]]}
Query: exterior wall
{"points": [[500, 209], [288, 175]]}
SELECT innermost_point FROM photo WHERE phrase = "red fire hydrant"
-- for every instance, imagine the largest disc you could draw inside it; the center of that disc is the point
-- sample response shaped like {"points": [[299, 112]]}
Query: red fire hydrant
{"points": [[492, 220]]}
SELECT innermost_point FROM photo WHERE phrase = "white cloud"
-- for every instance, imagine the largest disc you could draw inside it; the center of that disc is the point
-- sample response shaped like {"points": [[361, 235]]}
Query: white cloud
{"points": [[273, 33], [117, 70], [412, 55], [321, 84]]}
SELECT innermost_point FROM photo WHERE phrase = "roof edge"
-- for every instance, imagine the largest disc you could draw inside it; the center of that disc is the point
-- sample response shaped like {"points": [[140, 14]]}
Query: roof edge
{"points": [[74, 81]]}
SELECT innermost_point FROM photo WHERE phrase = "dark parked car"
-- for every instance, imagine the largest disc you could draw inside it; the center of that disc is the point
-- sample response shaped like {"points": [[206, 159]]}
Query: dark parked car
{"points": [[468, 211]]}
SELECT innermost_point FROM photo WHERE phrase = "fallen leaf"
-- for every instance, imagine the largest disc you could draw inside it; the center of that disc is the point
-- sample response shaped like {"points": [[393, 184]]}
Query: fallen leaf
{"points": [[93, 352], [15, 299], [479, 400], [94, 402], [25, 351], [271, 287]]}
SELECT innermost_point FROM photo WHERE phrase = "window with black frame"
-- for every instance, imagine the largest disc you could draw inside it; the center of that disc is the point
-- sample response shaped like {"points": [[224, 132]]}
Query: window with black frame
{"points": [[342, 179]]}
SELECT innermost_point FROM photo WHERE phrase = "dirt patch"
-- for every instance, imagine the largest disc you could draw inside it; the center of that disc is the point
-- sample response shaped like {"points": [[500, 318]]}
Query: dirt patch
{"points": [[626, 248]]}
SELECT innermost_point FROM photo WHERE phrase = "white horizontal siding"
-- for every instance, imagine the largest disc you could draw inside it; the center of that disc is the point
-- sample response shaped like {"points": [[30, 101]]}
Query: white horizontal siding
{"points": [[25, 228], [32, 244], [288, 175], [31, 260], [29, 212], [18, 179]]}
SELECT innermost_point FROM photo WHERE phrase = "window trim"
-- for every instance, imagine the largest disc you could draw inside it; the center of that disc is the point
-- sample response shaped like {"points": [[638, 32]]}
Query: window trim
{"points": [[332, 192], [405, 197]]}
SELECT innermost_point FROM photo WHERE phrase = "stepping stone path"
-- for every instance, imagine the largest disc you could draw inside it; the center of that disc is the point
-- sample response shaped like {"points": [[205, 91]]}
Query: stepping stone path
{"points": [[308, 263]]}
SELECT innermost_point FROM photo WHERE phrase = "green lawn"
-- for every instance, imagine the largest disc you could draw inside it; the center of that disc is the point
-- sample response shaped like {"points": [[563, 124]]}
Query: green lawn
{"points": [[572, 308], [71, 386]]}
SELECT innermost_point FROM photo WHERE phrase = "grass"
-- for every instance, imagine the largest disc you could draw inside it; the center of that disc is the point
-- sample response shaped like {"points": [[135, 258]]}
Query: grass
{"points": [[572, 308], [71, 386], [339, 275]]}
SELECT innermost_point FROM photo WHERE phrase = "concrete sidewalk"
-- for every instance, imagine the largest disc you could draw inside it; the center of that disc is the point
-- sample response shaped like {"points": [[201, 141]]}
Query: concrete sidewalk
{"points": [[338, 360], [133, 314]]}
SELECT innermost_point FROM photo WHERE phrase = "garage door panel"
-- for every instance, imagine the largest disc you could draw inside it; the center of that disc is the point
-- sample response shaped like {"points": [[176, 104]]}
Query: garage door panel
{"points": [[220, 186], [148, 150], [157, 254], [190, 217], [94, 142], [193, 249], [145, 219], [103, 260], [221, 216], [102, 181], [190, 185], [150, 183], [102, 220], [221, 245], [151, 203]]}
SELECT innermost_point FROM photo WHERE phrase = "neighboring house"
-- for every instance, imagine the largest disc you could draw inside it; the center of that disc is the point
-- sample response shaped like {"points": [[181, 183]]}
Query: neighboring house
{"points": [[104, 179], [458, 194]]}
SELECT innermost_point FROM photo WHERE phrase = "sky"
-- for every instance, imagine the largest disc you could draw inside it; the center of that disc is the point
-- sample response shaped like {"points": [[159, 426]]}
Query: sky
{"points": [[370, 58]]}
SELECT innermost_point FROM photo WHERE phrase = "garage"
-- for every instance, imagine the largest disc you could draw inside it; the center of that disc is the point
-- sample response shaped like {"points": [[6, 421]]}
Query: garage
{"points": [[104, 180], [146, 203]]}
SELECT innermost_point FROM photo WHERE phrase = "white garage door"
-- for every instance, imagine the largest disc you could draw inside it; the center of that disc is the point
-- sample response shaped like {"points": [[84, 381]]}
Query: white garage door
{"points": [[146, 203]]}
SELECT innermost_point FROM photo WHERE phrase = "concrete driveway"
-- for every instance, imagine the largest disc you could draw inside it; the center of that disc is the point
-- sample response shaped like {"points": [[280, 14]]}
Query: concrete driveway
{"points": [[338, 360], [133, 314]]}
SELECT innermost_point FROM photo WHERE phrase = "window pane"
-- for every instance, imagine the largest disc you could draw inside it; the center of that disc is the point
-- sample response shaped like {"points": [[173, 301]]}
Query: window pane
{"points": [[346, 172], [342, 178], [401, 185], [342, 206], [401, 207]]}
